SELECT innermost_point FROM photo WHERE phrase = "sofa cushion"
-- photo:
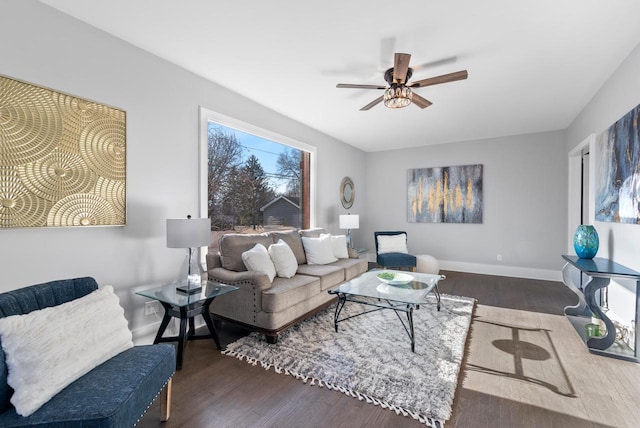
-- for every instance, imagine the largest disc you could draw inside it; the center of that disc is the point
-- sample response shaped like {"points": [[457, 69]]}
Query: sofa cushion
{"points": [[286, 292], [257, 259], [294, 241], [352, 267], [48, 349], [283, 259], [234, 244], [329, 275], [318, 250]]}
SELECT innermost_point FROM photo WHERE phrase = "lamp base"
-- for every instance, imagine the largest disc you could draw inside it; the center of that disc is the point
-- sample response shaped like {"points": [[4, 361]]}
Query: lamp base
{"points": [[189, 288]]}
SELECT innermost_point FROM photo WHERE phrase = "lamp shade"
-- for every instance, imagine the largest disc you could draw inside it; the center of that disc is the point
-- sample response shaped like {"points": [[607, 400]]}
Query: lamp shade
{"points": [[349, 221], [188, 232]]}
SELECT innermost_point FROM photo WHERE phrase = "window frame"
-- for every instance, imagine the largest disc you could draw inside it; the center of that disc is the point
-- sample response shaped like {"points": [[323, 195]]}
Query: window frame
{"points": [[207, 116]]}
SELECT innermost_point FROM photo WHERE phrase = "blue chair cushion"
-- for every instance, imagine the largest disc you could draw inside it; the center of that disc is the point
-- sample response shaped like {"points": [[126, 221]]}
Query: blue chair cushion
{"points": [[396, 260], [115, 394]]}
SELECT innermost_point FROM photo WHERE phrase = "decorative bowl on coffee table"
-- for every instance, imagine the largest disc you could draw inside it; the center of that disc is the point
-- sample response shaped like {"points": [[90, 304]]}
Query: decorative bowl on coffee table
{"points": [[395, 278]]}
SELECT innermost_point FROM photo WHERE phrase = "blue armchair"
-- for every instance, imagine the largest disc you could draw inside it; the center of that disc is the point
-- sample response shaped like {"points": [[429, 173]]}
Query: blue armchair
{"points": [[397, 258], [115, 394]]}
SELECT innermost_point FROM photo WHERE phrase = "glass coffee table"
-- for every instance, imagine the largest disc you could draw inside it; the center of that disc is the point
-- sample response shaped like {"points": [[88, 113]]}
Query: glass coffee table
{"points": [[185, 307], [405, 293]]}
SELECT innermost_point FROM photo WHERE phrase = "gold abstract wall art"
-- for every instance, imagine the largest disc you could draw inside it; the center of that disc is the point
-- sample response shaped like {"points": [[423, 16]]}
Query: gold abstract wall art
{"points": [[62, 159], [451, 194]]}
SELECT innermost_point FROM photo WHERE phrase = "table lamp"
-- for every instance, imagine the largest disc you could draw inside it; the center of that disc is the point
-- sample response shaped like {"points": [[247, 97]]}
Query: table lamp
{"points": [[349, 221], [189, 233]]}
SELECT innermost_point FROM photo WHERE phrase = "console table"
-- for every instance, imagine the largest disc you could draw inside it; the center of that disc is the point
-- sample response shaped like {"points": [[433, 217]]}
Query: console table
{"points": [[600, 271]]}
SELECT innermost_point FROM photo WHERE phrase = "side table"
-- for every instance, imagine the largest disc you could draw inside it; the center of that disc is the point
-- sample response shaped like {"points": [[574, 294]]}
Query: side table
{"points": [[600, 272], [185, 307]]}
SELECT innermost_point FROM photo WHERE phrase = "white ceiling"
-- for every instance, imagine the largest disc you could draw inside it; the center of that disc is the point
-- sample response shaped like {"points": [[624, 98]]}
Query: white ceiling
{"points": [[533, 64]]}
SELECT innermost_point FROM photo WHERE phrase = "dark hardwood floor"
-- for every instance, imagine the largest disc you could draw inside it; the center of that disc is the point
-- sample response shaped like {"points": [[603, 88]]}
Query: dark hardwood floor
{"points": [[524, 367]]}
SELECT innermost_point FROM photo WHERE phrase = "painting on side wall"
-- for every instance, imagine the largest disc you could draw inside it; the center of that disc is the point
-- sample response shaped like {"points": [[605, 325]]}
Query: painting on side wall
{"points": [[618, 171], [62, 159], [451, 194]]}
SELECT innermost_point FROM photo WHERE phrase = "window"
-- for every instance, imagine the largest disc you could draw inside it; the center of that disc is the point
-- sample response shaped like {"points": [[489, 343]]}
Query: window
{"points": [[253, 180]]}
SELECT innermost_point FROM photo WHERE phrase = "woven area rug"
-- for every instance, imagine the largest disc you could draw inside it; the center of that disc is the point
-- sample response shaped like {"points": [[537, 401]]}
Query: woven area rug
{"points": [[370, 357]]}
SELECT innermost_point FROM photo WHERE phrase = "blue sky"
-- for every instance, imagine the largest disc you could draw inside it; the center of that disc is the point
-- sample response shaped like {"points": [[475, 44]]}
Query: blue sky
{"points": [[266, 151]]}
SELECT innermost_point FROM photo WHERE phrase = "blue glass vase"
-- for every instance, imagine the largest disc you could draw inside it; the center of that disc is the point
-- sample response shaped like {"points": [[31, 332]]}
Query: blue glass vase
{"points": [[585, 241]]}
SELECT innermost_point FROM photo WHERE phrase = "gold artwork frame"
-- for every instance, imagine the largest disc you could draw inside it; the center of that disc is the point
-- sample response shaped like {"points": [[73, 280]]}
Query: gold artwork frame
{"points": [[62, 159]]}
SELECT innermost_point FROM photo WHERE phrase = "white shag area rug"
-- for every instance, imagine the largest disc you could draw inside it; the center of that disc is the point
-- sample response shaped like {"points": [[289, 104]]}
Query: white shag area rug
{"points": [[370, 356]]}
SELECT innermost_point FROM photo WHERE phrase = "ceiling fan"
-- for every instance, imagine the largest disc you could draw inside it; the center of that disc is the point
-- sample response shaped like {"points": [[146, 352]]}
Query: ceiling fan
{"points": [[399, 92]]}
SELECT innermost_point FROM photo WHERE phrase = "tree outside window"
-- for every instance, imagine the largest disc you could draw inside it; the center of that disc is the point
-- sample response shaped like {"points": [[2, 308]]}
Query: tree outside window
{"points": [[255, 184]]}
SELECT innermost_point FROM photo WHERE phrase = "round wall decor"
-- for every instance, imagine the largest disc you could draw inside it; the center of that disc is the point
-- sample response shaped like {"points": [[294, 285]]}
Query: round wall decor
{"points": [[347, 192]]}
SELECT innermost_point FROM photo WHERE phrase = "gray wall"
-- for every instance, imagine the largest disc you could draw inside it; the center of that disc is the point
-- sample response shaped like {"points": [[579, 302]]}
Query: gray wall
{"points": [[617, 97], [524, 184], [45, 47], [619, 242]]}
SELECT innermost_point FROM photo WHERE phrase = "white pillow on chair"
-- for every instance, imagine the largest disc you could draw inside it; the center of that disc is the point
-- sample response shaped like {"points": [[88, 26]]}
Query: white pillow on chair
{"points": [[392, 244], [48, 349]]}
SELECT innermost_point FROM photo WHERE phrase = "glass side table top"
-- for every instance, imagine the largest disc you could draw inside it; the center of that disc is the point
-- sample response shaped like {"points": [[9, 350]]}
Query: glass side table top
{"points": [[369, 285], [168, 293]]}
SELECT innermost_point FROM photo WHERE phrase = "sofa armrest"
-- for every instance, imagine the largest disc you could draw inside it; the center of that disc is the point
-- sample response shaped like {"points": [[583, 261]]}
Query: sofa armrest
{"points": [[249, 278], [244, 304], [213, 260]]}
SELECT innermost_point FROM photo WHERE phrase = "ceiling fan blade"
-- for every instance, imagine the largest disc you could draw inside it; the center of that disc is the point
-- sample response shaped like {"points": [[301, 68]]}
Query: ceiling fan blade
{"points": [[458, 75], [372, 103], [349, 85], [400, 67], [419, 101]]}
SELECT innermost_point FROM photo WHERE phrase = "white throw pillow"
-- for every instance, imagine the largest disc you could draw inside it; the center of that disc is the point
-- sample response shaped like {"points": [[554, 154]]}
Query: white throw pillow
{"points": [[258, 259], [48, 349], [339, 246], [283, 259], [318, 250], [392, 244]]}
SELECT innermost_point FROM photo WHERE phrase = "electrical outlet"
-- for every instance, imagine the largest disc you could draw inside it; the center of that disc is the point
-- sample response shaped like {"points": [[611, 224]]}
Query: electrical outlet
{"points": [[150, 308], [499, 257]]}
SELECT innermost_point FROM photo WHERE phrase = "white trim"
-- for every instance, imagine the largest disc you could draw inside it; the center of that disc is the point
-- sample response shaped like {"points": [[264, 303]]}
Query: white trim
{"points": [[574, 181], [207, 116]]}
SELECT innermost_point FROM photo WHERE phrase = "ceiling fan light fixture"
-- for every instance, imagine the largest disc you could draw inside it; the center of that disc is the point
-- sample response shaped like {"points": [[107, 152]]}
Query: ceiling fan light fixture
{"points": [[397, 96]]}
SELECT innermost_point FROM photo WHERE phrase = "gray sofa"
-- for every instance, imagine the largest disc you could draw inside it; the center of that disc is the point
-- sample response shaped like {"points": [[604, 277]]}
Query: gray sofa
{"points": [[270, 307]]}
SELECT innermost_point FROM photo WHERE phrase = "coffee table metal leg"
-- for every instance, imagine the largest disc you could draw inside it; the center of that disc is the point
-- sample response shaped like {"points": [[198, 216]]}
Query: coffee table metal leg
{"points": [[341, 301], [411, 335], [436, 291]]}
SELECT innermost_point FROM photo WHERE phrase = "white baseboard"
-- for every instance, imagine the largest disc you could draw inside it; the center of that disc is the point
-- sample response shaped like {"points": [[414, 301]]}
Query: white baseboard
{"points": [[502, 270]]}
